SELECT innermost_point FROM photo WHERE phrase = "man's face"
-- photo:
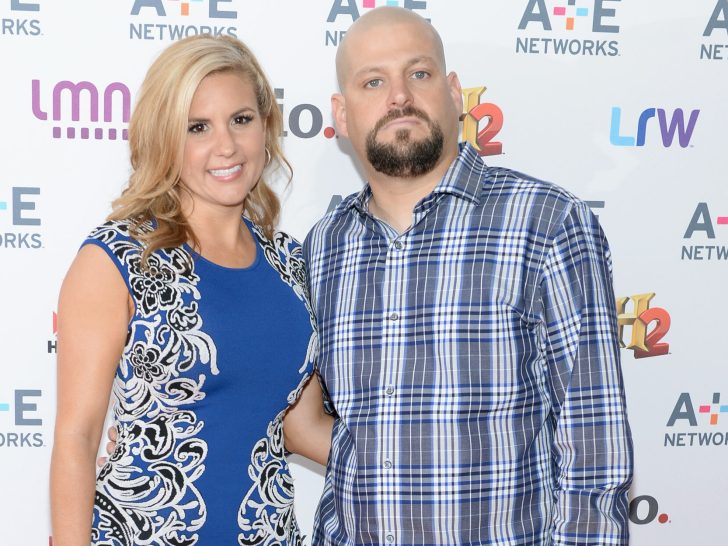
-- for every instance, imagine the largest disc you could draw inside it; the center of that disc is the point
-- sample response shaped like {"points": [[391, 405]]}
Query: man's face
{"points": [[398, 107]]}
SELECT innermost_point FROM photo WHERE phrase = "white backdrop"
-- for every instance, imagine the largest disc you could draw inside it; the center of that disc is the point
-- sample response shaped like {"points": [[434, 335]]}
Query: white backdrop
{"points": [[568, 80]]}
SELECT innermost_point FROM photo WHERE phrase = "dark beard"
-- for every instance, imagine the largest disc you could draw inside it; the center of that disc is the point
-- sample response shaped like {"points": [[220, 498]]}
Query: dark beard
{"points": [[405, 158]]}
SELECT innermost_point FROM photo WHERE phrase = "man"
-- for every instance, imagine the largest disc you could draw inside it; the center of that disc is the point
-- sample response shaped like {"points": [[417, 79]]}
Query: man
{"points": [[468, 336]]}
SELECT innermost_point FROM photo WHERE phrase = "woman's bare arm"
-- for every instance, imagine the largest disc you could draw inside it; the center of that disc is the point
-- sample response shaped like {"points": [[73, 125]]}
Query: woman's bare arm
{"points": [[93, 316]]}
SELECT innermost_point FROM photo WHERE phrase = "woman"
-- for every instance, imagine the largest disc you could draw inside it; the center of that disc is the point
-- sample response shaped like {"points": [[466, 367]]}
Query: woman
{"points": [[190, 312]]}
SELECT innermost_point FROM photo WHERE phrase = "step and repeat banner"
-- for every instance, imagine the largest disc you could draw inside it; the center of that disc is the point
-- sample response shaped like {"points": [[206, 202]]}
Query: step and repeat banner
{"points": [[623, 102]]}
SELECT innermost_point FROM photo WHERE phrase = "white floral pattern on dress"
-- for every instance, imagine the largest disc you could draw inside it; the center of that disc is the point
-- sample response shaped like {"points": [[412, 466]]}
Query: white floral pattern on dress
{"points": [[157, 505]]}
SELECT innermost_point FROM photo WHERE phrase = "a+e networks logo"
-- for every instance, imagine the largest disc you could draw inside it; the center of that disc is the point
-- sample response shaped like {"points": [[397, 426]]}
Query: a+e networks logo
{"points": [[19, 417], [703, 226], [344, 12], [644, 344], [18, 213], [177, 19], [567, 22], [717, 29], [21, 19], [702, 420]]}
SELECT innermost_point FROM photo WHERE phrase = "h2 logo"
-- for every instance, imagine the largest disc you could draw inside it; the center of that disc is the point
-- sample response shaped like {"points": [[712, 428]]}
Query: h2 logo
{"points": [[643, 343]]}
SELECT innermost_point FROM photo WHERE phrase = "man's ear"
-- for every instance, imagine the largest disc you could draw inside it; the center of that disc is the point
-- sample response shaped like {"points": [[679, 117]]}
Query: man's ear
{"points": [[338, 108], [456, 90]]}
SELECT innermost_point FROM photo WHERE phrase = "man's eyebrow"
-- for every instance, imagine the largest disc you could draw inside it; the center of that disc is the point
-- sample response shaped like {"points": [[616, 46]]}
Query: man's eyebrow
{"points": [[420, 59], [376, 68]]}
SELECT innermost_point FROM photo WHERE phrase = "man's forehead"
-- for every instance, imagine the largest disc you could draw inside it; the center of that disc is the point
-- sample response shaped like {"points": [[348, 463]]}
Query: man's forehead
{"points": [[378, 44]]}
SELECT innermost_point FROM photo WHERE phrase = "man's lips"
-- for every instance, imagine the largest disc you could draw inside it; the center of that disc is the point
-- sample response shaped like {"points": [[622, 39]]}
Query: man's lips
{"points": [[403, 121]]}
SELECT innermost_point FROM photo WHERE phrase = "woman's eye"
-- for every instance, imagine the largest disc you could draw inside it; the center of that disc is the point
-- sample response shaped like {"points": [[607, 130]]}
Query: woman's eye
{"points": [[195, 128], [242, 119]]}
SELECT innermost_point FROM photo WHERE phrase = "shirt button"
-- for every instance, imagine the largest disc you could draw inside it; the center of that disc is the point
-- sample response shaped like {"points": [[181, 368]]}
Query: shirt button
{"points": [[398, 245], [389, 538], [394, 316], [387, 464], [389, 391]]}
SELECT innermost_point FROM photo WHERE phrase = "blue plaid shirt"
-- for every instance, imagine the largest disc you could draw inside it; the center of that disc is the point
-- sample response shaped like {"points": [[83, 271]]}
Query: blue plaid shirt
{"points": [[473, 361]]}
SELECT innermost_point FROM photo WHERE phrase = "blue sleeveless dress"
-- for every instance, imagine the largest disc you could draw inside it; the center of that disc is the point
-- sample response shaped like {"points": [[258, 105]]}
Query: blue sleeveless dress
{"points": [[213, 358]]}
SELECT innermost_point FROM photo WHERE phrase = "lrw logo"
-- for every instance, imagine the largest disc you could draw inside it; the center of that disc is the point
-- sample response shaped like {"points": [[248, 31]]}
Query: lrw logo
{"points": [[74, 92], [668, 129]]}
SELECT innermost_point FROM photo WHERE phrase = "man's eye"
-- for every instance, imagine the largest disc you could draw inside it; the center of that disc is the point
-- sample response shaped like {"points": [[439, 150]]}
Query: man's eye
{"points": [[196, 128], [373, 84], [420, 75]]}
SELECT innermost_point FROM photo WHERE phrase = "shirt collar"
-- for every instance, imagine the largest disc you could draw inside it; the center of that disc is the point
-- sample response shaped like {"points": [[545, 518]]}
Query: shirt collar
{"points": [[462, 179]]}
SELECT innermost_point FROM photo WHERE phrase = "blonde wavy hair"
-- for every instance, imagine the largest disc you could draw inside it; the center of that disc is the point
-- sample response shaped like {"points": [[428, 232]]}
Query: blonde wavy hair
{"points": [[157, 132]]}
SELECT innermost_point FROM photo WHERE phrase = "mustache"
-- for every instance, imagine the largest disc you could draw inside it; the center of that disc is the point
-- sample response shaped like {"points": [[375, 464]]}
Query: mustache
{"points": [[407, 111]]}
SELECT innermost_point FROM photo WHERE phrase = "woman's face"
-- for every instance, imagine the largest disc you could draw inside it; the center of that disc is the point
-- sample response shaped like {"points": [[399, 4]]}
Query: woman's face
{"points": [[224, 152]]}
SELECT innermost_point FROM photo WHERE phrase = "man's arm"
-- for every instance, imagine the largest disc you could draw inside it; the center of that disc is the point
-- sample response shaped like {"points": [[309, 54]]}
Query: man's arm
{"points": [[592, 447]]}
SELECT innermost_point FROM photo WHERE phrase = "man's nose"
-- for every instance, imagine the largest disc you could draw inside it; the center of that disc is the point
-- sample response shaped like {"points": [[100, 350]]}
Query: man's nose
{"points": [[400, 94]]}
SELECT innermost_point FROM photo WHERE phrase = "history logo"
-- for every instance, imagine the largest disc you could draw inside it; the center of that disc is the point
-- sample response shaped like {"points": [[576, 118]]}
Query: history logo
{"points": [[705, 228], [19, 219], [19, 18], [176, 19], [344, 12], [576, 28], [715, 43], [52, 344]]}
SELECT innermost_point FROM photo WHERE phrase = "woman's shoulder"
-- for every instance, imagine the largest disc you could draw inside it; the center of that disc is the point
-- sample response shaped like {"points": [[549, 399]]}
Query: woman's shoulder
{"points": [[127, 230], [283, 253]]}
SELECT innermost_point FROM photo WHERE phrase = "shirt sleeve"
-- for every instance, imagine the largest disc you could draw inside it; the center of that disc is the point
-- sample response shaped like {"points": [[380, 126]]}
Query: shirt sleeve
{"points": [[592, 445]]}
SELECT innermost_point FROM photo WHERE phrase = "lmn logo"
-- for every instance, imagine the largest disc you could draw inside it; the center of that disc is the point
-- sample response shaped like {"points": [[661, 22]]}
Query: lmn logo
{"points": [[66, 99]]}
